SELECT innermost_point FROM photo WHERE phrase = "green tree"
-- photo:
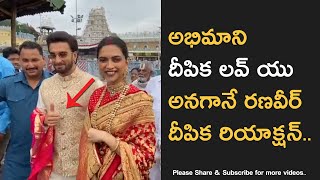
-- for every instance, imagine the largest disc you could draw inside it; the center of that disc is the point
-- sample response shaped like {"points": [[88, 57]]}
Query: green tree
{"points": [[21, 27], [34, 32], [26, 28], [6, 22]]}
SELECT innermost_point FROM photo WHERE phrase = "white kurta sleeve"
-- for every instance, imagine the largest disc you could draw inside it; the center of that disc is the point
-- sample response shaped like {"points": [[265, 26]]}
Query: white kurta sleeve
{"points": [[40, 104]]}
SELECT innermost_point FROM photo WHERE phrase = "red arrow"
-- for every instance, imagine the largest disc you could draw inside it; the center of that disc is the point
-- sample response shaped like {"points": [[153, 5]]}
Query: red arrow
{"points": [[72, 102]]}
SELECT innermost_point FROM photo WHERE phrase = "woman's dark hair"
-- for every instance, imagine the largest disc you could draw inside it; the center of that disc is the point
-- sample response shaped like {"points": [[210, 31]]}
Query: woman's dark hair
{"points": [[61, 36], [113, 40], [30, 45]]}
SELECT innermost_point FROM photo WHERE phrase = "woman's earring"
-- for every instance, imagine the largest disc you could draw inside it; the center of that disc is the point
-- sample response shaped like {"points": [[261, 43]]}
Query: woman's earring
{"points": [[125, 74]]}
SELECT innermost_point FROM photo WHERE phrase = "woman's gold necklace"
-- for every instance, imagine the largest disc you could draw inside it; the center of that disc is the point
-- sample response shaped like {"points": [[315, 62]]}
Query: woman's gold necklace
{"points": [[116, 88], [113, 113]]}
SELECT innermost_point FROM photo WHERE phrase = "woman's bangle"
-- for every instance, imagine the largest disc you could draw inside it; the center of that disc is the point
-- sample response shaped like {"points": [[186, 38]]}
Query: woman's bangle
{"points": [[117, 145]]}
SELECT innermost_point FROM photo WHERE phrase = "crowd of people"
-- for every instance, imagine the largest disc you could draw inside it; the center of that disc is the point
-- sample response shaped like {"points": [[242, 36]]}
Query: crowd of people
{"points": [[71, 125]]}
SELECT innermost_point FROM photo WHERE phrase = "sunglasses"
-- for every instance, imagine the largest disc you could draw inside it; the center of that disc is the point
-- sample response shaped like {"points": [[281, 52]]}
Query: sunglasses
{"points": [[60, 54]]}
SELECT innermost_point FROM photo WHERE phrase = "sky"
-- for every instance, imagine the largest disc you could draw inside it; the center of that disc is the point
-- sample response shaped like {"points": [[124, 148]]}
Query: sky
{"points": [[122, 15]]}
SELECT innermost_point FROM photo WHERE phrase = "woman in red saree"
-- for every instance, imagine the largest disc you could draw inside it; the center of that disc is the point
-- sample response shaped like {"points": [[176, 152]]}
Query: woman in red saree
{"points": [[117, 140]]}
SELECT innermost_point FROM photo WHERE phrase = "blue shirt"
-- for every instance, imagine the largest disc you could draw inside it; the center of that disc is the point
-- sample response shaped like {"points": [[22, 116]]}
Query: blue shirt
{"points": [[6, 69], [22, 100]]}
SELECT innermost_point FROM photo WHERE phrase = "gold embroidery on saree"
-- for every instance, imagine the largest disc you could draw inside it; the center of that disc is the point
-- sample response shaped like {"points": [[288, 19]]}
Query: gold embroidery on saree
{"points": [[135, 109], [139, 112]]}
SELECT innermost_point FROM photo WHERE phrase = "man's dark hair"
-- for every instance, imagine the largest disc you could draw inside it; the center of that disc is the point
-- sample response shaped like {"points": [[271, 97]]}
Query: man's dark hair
{"points": [[62, 36], [30, 45], [8, 51], [135, 68]]}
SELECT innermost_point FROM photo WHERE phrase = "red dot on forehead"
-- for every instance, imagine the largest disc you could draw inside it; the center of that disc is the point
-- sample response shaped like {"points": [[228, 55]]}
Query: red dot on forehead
{"points": [[109, 41]]}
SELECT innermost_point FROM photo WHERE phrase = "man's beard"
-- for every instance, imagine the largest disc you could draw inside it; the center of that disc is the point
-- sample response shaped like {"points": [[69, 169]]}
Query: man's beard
{"points": [[142, 79], [67, 68]]}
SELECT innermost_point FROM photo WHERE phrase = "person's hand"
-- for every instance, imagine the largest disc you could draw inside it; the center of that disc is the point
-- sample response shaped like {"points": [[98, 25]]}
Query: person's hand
{"points": [[95, 135], [52, 117]]}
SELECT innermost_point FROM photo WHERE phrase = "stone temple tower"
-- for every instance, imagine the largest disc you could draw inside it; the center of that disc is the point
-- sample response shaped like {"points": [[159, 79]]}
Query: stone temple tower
{"points": [[96, 27]]}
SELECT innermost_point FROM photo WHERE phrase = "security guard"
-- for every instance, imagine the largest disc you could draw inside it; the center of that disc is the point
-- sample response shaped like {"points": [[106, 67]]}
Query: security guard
{"points": [[20, 92]]}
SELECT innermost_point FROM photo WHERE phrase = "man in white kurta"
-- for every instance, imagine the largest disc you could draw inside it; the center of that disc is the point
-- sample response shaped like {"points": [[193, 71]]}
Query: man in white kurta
{"points": [[67, 132], [154, 89], [64, 97]]}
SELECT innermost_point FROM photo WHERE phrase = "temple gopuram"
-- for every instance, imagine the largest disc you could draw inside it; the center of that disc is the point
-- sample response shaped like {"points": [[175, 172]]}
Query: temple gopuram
{"points": [[141, 45]]}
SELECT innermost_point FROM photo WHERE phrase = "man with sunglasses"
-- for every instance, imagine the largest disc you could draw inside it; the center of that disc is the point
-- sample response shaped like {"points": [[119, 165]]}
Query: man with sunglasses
{"points": [[64, 99], [20, 92]]}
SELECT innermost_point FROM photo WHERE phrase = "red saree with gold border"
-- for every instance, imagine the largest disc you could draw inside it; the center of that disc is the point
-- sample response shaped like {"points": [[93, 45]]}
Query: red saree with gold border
{"points": [[133, 125], [42, 147]]}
